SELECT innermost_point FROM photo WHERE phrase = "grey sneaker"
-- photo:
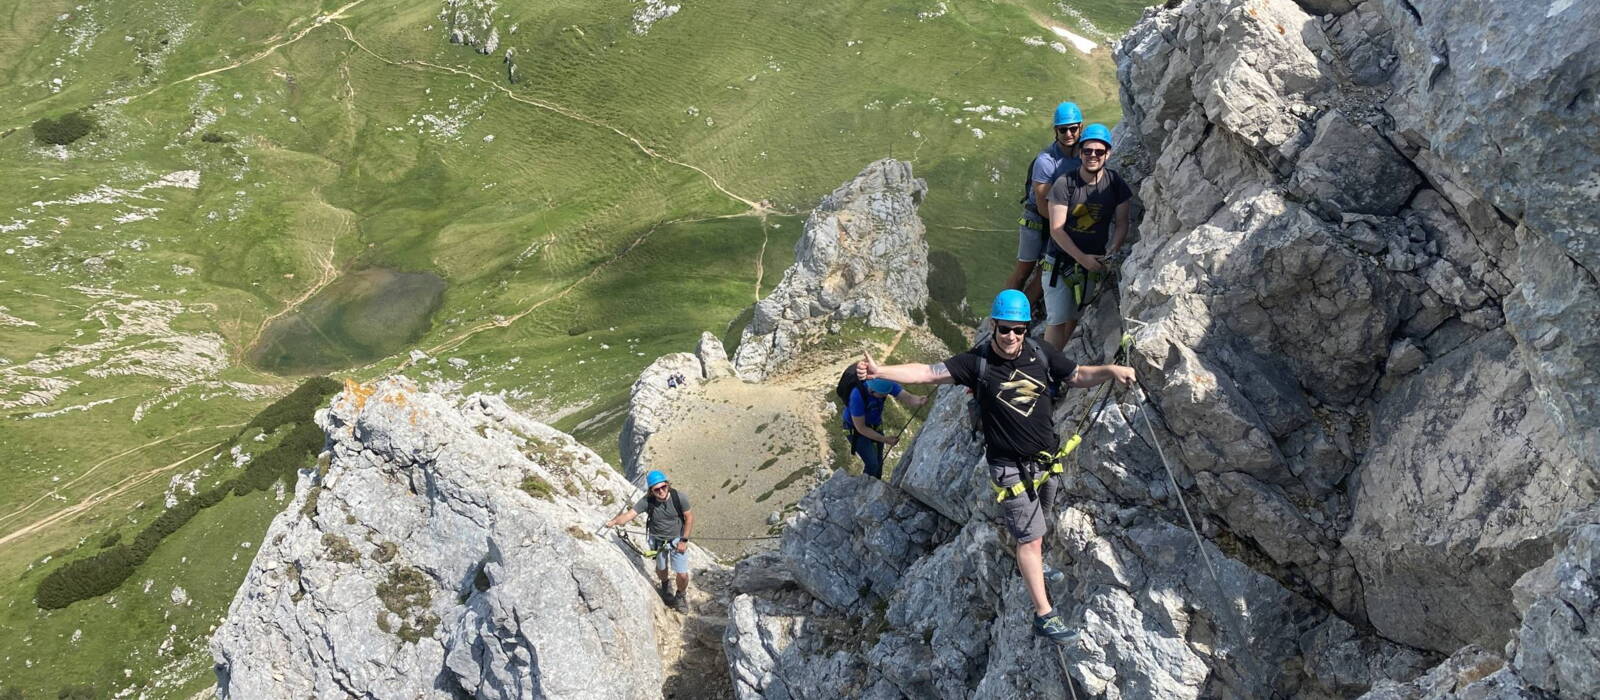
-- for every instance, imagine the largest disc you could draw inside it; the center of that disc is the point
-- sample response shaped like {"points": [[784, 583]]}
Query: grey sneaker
{"points": [[1051, 627], [678, 602]]}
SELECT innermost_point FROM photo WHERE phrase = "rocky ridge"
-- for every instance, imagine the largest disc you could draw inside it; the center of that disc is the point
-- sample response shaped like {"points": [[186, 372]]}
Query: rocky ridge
{"points": [[1365, 329], [862, 255], [650, 398], [446, 548]]}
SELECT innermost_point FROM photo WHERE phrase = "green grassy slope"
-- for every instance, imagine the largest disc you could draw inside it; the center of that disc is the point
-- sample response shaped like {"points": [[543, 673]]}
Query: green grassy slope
{"points": [[587, 219]]}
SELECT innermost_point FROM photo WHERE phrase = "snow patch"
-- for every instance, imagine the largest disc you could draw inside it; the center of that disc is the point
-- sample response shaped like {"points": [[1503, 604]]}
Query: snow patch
{"points": [[1082, 44]]}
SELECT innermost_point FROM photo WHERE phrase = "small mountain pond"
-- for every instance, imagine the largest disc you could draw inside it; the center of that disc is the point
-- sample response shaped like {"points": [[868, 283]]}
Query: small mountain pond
{"points": [[363, 316]]}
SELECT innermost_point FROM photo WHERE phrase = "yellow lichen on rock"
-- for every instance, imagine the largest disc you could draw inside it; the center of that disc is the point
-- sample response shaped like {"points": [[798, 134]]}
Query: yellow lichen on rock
{"points": [[358, 393]]}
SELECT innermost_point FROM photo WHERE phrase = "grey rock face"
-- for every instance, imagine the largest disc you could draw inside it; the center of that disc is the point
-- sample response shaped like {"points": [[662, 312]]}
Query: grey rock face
{"points": [[1499, 104], [1368, 337], [1471, 672], [445, 551], [650, 401], [1271, 326], [472, 23], [1555, 315], [1559, 641], [1351, 168], [1456, 499], [855, 539], [713, 357], [941, 467], [863, 256]]}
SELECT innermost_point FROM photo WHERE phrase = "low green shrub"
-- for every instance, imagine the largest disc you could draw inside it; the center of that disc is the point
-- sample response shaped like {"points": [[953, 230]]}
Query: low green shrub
{"points": [[63, 129], [102, 572]]}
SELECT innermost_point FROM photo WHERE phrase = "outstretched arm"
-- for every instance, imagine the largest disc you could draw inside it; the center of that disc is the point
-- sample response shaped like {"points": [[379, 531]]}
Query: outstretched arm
{"points": [[1095, 375], [914, 373], [861, 427], [628, 515], [910, 400]]}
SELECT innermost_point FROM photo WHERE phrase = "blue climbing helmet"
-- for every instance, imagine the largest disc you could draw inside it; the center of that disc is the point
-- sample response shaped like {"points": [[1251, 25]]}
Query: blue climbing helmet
{"points": [[1011, 305], [881, 386], [654, 477], [1096, 132], [1068, 113]]}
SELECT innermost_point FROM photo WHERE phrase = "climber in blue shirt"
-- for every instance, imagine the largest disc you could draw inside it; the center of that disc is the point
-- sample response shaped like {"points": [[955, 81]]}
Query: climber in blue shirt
{"points": [[863, 418]]}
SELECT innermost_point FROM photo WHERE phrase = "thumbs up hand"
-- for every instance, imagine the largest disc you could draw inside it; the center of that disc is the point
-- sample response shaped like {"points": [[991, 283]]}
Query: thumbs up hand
{"points": [[866, 368]]}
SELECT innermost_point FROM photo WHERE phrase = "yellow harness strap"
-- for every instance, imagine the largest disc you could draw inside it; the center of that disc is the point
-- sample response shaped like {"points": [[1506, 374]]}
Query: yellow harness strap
{"points": [[1001, 493], [1035, 225]]}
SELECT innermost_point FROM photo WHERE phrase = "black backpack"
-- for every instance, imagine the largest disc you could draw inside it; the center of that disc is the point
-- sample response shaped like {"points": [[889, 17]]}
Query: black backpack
{"points": [[848, 383], [982, 351], [1027, 187]]}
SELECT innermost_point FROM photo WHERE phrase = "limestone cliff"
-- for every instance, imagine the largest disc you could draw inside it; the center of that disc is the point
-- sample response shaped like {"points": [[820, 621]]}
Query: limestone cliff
{"points": [[445, 550], [651, 396], [863, 255], [1366, 329]]}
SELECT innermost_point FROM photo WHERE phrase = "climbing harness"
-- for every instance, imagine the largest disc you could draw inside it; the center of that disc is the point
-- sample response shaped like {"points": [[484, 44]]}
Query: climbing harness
{"points": [[1079, 279], [1031, 480], [1053, 462]]}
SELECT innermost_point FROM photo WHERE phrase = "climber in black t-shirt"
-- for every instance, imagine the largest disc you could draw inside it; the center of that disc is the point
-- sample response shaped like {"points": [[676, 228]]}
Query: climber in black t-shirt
{"points": [[1089, 213], [1012, 377]]}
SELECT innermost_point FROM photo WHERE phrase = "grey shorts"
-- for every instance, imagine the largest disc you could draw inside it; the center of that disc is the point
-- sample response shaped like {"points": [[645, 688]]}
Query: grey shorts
{"points": [[1030, 244], [668, 552], [1026, 518], [1060, 303]]}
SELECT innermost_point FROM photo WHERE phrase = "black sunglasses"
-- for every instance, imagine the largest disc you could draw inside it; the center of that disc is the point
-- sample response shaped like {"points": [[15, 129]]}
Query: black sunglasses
{"points": [[1068, 128], [1011, 330], [1094, 152]]}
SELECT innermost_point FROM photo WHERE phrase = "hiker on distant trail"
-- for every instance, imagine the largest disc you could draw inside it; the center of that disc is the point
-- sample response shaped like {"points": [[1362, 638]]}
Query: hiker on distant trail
{"points": [[668, 523], [863, 420], [1084, 203], [1012, 377], [1061, 156]]}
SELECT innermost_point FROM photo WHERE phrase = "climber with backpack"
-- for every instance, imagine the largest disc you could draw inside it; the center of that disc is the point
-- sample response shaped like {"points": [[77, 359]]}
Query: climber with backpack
{"points": [[863, 416], [668, 522], [1013, 379], [1083, 204], [1032, 234]]}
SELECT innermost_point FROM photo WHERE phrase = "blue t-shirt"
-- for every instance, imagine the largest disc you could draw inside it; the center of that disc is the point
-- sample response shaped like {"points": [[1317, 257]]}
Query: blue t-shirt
{"points": [[869, 407], [1047, 166]]}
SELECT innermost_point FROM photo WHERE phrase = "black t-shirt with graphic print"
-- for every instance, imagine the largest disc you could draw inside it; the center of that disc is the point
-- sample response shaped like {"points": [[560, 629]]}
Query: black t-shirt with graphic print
{"points": [[1090, 209], [1017, 404]]}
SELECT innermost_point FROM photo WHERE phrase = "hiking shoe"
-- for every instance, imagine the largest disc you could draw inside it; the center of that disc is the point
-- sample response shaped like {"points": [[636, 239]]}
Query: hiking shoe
{"points": [[666, 590], [1051, 627], [678, 602]]}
